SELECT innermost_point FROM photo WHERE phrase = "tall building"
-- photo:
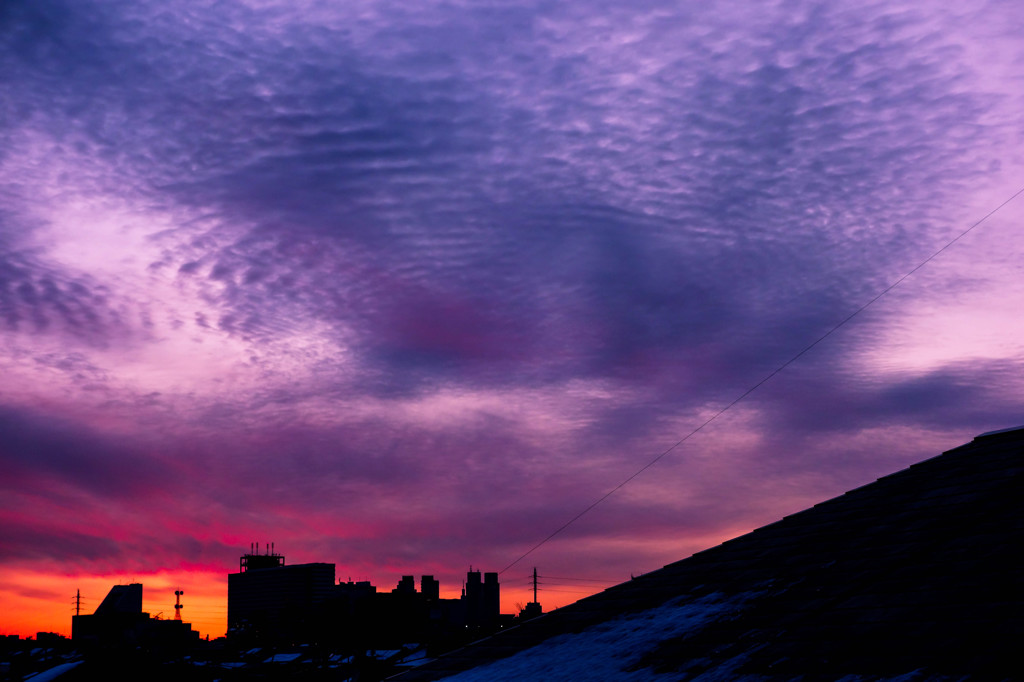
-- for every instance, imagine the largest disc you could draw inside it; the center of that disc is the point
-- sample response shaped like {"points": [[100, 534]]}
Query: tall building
{"points": [[273, 602], [482, 599], [430, 588]]}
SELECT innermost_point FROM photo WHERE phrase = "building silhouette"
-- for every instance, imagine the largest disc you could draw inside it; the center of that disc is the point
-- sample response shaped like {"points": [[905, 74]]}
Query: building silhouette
{"points": [[119, 623], [482, 600], [430, 588], [273, 603], [269, 601]]}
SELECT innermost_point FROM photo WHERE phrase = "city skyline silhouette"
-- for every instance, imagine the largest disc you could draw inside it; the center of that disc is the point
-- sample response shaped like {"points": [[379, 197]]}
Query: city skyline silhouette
{"points": [[406, 286]]}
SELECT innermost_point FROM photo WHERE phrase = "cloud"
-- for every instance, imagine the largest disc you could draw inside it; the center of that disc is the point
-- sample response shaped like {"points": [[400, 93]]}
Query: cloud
{"points": [[389, 276], [357, 189], [38, 300], [48, 453], [955, 395]]}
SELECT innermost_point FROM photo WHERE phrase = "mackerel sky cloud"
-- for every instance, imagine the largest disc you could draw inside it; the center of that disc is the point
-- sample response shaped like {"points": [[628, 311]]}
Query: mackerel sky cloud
{"points": [[405, 285]]}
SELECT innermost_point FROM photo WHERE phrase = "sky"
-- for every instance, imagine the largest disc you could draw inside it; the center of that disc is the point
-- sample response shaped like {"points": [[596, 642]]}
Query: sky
{"points": [[405, 285]]}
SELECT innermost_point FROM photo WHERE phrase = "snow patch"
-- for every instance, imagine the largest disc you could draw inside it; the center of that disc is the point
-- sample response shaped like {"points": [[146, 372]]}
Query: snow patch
{"points": [[607, 650]]}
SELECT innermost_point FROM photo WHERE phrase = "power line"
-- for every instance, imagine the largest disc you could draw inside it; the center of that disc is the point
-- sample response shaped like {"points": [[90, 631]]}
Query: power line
{"points": [[766, 379]]}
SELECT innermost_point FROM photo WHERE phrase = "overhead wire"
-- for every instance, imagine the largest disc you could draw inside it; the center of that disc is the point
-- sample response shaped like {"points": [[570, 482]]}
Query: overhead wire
{"points": [[766, 379]]}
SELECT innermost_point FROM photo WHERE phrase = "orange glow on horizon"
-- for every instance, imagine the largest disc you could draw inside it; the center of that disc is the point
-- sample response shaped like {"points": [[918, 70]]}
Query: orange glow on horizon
{"points": [[35, 603], [32, 602]]}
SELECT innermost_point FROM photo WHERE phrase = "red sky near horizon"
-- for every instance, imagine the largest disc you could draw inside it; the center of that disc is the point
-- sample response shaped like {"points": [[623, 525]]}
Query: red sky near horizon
{"points": [[405, 286]]}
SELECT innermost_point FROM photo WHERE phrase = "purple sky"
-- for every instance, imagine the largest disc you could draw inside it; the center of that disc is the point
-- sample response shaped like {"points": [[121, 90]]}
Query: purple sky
{"points": [[404, 285]]}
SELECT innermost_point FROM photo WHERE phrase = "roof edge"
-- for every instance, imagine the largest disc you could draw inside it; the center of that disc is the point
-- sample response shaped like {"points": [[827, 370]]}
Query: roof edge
{"points": [[999, 431]]}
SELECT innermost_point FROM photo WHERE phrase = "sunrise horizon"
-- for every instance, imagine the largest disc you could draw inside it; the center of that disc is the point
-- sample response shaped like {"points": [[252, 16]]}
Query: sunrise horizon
{"points": [[412, 286]]}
